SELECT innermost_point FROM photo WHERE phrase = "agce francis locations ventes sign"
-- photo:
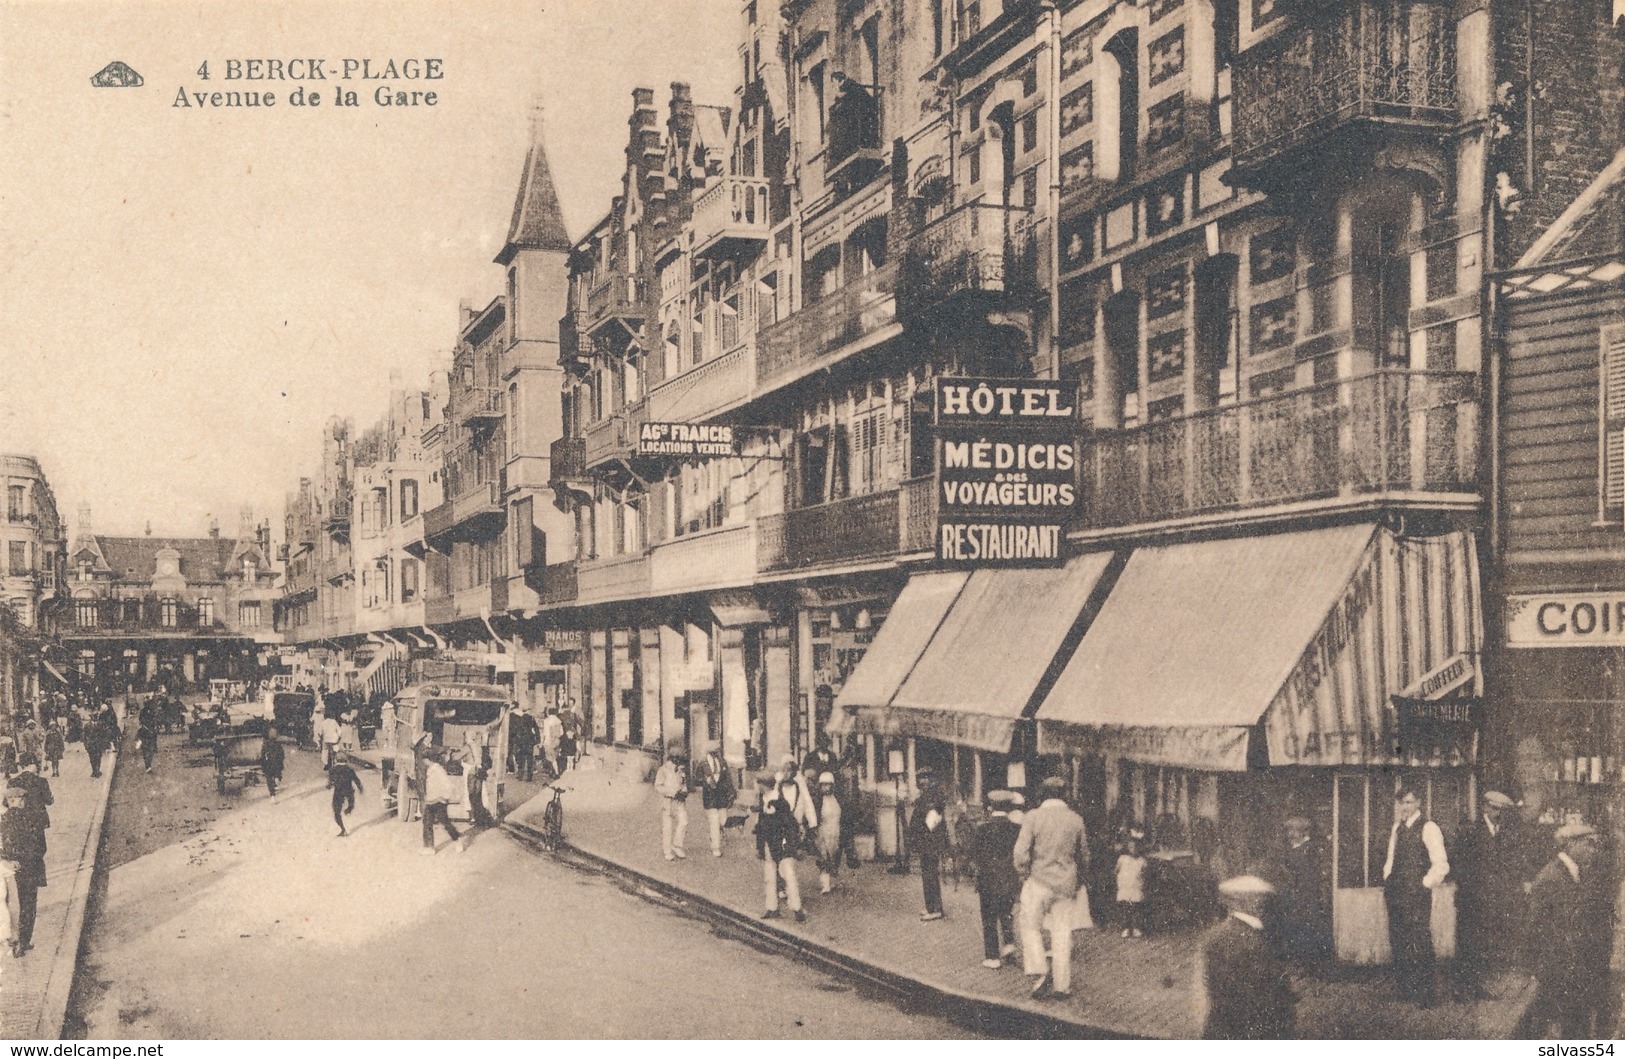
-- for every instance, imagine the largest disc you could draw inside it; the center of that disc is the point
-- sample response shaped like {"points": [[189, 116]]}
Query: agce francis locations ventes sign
{"points": [[1007, 469]]}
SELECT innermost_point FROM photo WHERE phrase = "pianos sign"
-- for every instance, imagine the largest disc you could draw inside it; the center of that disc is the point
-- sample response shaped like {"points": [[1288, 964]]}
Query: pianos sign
{"points": [[1007, 469]]}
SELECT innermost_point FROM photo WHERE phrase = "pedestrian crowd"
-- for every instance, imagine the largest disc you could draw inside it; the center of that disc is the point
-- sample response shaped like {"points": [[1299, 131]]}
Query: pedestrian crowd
{"points": [[1525, 899]]}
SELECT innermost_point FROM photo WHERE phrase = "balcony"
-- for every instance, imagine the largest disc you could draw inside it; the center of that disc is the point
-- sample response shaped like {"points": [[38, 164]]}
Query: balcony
{"points": [[976, 251], [575, 345], [732, 216], [614, 438], [439, 610], [718, 558], [855, 153], [337, 520], [477, 407], [875, 527], [702, 392], [567, 461], [860, 315], [559, 583], [607, 580], [1351, 73], [1395, 434], [617, 299]]}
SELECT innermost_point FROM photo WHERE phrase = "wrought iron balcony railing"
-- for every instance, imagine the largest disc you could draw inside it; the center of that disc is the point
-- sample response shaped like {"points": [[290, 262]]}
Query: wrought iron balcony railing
{"points": [[559, 582], [827, 330], [568, 459], [477, 405], [1390, 432], [978, 248], [731, 212], [874, 526], [854, 128], [1359, 62], [619, 297]]}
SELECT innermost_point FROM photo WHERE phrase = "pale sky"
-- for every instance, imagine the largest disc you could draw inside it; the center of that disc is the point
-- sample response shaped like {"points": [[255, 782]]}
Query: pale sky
{"points": [[188, 294]]}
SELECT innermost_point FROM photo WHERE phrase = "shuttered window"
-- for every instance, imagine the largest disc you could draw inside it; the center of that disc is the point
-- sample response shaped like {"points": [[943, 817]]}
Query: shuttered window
{"points": [[1611, 409]]}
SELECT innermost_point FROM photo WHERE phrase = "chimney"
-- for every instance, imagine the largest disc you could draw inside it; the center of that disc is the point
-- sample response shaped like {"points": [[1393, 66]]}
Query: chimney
{"points": [[84, 520], [214, 528], [465, 313], [149, 527]]}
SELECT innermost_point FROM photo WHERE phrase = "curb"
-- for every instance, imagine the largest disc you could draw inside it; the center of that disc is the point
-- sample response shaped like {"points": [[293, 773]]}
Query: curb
{"points": [[979, 1013], [59, 988]]}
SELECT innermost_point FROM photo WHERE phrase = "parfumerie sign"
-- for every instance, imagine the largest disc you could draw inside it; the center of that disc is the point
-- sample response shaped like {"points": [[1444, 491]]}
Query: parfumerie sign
{"points": [[1566, 619], [1007, 469], [687, 440]]}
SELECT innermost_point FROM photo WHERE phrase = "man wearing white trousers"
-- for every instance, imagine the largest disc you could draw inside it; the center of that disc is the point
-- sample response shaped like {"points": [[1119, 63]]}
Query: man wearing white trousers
{"points": [[1051, 854], [671, 783]]}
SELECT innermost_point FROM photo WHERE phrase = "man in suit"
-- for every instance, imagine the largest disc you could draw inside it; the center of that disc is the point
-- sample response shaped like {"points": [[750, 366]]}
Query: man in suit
{"points": [[1416, 865], [36, 787], [1051, 854], [1242, 990], [22, 845], [1304, 901], [716, 792], [1570, 909], [997, 884], [1488, 869]]}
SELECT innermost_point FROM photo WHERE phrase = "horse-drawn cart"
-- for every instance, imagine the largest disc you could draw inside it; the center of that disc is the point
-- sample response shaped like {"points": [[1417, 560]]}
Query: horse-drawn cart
{"points": [[237, 758]]}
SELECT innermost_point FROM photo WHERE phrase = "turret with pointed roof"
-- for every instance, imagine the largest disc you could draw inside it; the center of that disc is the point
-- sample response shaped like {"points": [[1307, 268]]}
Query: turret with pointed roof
{"points": [[537, 221]]}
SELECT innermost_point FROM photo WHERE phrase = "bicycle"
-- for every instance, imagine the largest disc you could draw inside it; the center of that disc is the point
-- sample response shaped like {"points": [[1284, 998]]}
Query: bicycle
{"points": [[553, 819]]}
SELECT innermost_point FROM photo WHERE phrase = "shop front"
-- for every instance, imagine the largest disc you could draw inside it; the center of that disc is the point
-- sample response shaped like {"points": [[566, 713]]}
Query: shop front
{"points": [[954, 675], [1560, 682], [1229, 685]]}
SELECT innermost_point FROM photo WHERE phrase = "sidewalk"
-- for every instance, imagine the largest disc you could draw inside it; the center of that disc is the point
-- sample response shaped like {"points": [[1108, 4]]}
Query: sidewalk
{"points": [[34, 990], [1121, 987]]}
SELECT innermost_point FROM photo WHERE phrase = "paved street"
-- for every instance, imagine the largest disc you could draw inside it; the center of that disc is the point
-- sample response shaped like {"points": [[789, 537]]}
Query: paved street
{"points": [[254, 921]]}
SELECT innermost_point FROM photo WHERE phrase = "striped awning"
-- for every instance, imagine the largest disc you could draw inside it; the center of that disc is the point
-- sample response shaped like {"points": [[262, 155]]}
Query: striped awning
{"points": [[1313, 633], [902, 638]]}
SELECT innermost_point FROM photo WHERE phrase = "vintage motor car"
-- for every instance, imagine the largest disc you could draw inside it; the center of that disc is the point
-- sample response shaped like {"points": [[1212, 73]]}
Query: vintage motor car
{"points": [[467, 727]]}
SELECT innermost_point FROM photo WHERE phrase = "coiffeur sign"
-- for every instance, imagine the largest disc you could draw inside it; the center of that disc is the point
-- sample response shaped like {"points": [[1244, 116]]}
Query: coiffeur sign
{"points": [[1566, 619], [1007, 469]]}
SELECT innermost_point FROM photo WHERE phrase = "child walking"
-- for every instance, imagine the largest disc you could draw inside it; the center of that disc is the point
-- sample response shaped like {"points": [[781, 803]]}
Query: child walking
{"points": [[1131, 867]]}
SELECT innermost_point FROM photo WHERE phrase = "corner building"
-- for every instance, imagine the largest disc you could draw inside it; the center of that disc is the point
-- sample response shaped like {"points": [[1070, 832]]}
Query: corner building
{"points": [[1258, 237]]}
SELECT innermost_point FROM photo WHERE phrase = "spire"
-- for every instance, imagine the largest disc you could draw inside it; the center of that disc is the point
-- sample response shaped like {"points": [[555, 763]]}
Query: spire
{"points": [[537, 222]]}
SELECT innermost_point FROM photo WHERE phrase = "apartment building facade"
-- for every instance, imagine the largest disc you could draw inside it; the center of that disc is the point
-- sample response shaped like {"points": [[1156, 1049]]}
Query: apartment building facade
{"points": [[33, 540], [1257, 239], [147, 612]]}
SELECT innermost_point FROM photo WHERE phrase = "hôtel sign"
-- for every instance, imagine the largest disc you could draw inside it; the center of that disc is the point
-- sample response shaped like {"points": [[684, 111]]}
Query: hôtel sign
{"points": [[1007, 464], [1566, 619]]}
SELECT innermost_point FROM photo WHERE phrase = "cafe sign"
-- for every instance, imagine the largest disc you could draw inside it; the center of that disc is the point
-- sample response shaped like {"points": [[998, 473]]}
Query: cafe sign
{"points": [[1007, 463], [1566, 619]]}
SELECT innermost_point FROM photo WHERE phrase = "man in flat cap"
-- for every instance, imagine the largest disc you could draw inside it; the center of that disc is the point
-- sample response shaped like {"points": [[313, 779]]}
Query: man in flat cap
{"points": [[1571, 914], [1488, 868], [1241, 988], [1051, 854]]}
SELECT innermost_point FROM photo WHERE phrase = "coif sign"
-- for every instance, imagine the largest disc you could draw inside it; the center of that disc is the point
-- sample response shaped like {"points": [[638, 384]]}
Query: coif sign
{"points": [[1566, 619], [1007, 469]]}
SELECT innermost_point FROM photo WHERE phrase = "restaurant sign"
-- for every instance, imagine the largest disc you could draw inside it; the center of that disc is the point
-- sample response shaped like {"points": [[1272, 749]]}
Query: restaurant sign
{"points": [[1566, 619], [687, 440], [1007, 469]]}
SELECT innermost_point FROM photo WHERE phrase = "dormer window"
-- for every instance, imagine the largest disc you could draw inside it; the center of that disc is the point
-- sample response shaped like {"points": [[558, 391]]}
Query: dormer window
{"points": [[248, 569]]}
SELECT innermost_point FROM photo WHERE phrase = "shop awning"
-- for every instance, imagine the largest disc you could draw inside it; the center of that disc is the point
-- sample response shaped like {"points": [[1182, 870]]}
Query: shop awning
{"points": [[979, 672], [908, 628], [733, 609], [1313, 632]]}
